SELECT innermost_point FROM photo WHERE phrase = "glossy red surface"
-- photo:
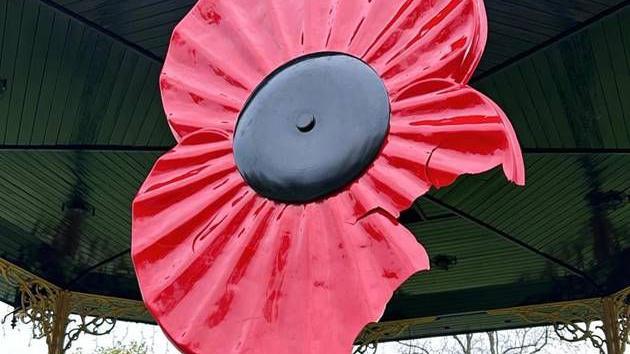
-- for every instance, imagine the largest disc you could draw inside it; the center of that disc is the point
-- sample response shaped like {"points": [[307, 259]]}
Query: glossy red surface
{"points": [[224, 270]]}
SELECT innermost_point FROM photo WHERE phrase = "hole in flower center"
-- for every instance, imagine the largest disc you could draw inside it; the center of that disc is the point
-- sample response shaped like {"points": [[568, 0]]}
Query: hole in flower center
{"points": [[305, 123], [311, 127]]}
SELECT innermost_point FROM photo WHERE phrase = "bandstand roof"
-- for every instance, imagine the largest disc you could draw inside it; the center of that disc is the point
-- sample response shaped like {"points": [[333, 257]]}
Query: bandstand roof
{"points": [[81, 123]]}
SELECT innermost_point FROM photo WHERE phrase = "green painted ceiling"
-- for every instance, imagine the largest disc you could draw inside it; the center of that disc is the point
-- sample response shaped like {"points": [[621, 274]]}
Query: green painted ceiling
{"points": [[81, 124], [70, 84]]}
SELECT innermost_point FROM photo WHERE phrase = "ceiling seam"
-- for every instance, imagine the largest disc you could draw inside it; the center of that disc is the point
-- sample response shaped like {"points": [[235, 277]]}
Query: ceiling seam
{"points": [[550, 42], [82, 274], [110, 34], [570, 268]]}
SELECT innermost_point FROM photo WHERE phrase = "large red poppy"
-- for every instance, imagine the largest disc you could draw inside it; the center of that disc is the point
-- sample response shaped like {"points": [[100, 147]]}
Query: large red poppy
{"points": [[226, 270]]}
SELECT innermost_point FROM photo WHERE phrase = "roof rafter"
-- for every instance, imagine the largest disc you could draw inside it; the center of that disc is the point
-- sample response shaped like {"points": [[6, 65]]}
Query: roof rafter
{"points": [[551, 41], [570, 268], [95, 26]]}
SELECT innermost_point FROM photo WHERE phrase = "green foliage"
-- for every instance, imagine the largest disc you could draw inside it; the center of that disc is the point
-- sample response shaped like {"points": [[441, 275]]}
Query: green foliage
{"points": [[131, 348], [120, 348]]}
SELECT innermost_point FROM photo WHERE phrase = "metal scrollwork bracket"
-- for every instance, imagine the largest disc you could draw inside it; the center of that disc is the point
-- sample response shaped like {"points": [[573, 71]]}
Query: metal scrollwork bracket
{"points": [[372, 334], [577, 321], [47, 308], [616, 318]]}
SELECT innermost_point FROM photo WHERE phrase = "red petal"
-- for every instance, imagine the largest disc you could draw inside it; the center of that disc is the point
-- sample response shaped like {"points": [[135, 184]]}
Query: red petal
{"points": [[439, 130], [368, 21], [275, 279], [398, 187], [192, 104], [186, 187], [458, 129], [441, 39], [218, 54]]}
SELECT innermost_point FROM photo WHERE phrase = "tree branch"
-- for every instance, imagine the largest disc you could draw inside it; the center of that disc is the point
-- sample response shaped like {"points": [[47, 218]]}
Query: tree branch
{"points": [[414, 346]]}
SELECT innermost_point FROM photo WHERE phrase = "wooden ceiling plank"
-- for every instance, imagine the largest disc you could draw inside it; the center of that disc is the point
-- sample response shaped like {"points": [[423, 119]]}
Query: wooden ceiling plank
{"points": [[508, 200], [603, 62], [52, 72], [139, 114], [571, 269], [117, 98], [65, 164], [559, 116], [511, 220], [576, 91], [53, 4], [96, 93], [151, 15], [155, 119], [551, 221], [26, 205], [470, 195], [28, 29], [556, 225], [9, 65], [132, 180], [539, 107], [4, 13], [522, 96], [495, 89], [109, 207], [63, 84], [77, 124], [619, 55], [39, 62], [482, 202], [81, 6], [467, 186], [581, 209], [106, 86], [544, 182], [152, 38], [134, 93], [147, 98], [531, 34], [622, 76], [567, 32], [147, 24], [14, 240], [110, 12]]}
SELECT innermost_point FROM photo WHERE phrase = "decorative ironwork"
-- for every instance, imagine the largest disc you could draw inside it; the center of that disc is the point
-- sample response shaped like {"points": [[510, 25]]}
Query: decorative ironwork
{"points": [[577, 321], [96, 326], [37, 299], [97, 315], [616, 317], [573, 321], [374, 333], [579, 332], [47, 308], [622, 300]]}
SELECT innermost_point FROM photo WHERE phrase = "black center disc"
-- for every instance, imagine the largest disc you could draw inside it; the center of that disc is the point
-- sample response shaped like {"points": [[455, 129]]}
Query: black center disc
{"points": [[312, 127]]}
